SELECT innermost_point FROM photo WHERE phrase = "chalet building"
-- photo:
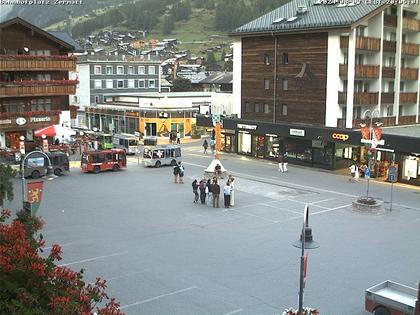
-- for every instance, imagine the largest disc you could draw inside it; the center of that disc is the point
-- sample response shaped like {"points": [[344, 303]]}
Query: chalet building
{"points": [[112, 75], [307, 74], [34, 79]]}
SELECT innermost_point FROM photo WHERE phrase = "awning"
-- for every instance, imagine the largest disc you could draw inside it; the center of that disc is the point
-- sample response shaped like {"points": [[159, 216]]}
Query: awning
{"points": [[54, 130]]}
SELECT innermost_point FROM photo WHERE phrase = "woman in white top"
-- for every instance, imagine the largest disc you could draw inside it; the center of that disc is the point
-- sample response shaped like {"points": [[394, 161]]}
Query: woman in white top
{"points": [[232, 191]]}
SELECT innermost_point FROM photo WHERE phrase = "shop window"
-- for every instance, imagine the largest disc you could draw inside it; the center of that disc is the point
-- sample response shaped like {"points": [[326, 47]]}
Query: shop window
{"points": [[244, 143], [285, 58], [266, 59], [266, 84], [267, 109], [285, 84], [284, 109]]}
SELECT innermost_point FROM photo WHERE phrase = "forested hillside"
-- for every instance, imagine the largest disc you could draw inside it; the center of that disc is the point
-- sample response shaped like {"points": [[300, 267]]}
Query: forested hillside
{"points": [[149, 15]]}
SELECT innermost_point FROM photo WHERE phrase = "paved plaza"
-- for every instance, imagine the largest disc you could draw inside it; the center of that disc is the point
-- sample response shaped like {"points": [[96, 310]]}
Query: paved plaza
{"points": [[163, 254]]}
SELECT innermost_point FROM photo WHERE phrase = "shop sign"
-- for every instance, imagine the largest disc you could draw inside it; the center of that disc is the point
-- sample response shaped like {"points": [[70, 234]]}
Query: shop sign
{"points": [[40, 119], [20, 121], [297, 132], [5, 122], [340, 136], [247, 127]]}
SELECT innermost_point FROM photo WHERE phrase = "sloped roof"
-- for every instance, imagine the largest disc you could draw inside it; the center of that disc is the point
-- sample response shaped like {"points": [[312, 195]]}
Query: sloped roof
{"points": [[318, 15], [218, 78], [18, 20], [65, 37]]}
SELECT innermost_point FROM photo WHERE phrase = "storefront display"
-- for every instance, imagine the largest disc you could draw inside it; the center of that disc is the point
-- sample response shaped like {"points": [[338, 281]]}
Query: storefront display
{"points": [[244, 143]]}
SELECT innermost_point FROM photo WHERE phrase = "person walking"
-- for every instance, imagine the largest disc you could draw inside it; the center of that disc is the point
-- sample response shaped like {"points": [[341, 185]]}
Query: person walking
{"points": [[178, 138], [232, 190], [195, 190], [216, 193], [212, 145], [181, 172], [203, 191], [226, 193], [353, 169], [285, 163], [209, 192], [280, 162], [205, 146], [176, 173]]}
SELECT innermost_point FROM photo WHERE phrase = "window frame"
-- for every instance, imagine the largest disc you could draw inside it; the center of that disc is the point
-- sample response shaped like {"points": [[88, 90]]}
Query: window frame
{"points": [[284, 110], [153, 72], [266, 59], [109, 68], [95, 67], [285, 58], [118, 83], [141, 86], [285, 84], [140, 71], [154, 83], [119, 68], [97, 83]]}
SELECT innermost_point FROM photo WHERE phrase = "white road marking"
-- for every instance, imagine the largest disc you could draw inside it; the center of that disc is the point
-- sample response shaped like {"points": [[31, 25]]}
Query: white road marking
{"points": [[319, 201], [234, 312], [307, 203], [92, 259], [158, 297], [332, 209], [279, 208]]}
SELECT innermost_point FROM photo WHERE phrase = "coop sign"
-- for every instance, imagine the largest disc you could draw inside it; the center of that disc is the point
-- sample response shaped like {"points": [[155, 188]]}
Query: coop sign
{"points": [[340, 136], [247, 127]]}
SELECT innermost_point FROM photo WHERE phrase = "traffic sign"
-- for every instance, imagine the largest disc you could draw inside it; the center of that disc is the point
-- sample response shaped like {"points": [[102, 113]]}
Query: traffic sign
{"points": [[391, 178], [393, 170]]}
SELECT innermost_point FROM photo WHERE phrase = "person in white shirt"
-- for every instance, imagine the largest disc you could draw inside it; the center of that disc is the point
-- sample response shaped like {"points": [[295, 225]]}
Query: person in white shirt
{"points": [[232, 190], [226, 192]]}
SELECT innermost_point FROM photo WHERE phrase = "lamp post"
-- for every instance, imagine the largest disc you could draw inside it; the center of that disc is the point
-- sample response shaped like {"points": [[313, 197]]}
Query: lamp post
{"points": [[95, 143], [372, 141], [22, 168]]}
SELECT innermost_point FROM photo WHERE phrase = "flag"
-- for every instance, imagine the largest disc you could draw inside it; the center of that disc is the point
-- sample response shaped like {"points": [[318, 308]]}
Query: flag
{"points": [[377, 133], [34, 193], [365, 133]]}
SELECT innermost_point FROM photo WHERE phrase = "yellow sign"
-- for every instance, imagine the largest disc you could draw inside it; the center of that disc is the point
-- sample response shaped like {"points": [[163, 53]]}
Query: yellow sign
{"points": [[340, 136]]}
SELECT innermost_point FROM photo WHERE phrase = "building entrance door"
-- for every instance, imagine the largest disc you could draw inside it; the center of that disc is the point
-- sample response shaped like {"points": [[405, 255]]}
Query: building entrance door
{"points": [[258, 146], [150, 129]]}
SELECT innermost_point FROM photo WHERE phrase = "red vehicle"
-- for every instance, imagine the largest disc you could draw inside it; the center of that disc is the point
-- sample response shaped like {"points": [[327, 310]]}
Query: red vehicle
{"points": [[97, 161]]}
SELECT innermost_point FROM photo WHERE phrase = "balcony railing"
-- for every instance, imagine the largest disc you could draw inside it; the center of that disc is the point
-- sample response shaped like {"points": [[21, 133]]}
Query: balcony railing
{"points": [[409, 73], [359, 98], [410, 49], [53, 112], [37, 63], [410, 24], [386, 121], [363, 43], [37, 88], [388, 72], [408, 97], [390, 20], [390, 46], [361, 71], [387, 98]]}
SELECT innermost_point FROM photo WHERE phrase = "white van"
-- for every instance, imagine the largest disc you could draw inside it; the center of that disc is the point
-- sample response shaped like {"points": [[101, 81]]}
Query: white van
{"points": [[159, 155]]}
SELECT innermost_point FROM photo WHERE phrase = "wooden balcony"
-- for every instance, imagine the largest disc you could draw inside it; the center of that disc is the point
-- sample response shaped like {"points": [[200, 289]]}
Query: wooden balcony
{"points": [[386, 121], [410, 49], [362, 43], [409, 73], [47, 88], [35, 63], [408, 97], [361, 71], [410, 24], [390, 20], [407, 120], [388, 72], [390, 46], [387, 98], [360, 98]]}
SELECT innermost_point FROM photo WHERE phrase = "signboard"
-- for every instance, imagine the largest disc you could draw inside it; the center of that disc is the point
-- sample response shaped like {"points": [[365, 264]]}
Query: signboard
{"points": [[20, 121], [297, 132], [247, 127], [5, 121], [340, 136], [40, 119], [378, 142], [45, 145]]}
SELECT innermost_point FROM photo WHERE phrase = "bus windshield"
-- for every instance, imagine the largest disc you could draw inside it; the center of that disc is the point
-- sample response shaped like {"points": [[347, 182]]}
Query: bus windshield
{"points": [[132, 142], [85, 159]]}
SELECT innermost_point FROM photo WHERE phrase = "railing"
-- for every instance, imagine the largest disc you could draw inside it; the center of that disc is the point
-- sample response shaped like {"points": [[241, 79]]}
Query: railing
{"points": [[388, 72], [386, 121], [409, 73], [387, 98], [407, 120], [390, 20], [359, 98], [361, 71], [411, 24], [390, 46], [364, 43], [410, 49], [408, 97], [37, 63], [37, 88], [53, 112]]}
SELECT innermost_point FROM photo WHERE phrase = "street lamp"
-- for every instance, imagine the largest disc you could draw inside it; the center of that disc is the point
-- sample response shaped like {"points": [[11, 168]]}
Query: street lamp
{"points": [[372, 141], [22, 168], [306, 242], [95, 143]]}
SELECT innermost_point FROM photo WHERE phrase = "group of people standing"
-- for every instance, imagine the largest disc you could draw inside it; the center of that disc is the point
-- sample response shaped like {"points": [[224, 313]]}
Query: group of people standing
{"points": [[174, 138], [179, 172], [212, 146], [208, 191]]}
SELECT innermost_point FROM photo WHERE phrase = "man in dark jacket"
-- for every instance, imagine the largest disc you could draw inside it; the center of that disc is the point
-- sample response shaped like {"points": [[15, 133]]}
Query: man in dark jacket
{"points": [[215, 189]]}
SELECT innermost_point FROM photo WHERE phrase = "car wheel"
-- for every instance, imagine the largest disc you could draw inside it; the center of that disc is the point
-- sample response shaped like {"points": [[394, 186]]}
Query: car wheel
{"points": [[96, 169], [57, 172], [158, 164], [115, 168], [173, 162], [381, 311], [35, 174]]}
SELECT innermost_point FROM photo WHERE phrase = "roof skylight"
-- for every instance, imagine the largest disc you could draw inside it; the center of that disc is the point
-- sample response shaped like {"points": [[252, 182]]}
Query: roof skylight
{"points": [[292, 19], [279, 20]]}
